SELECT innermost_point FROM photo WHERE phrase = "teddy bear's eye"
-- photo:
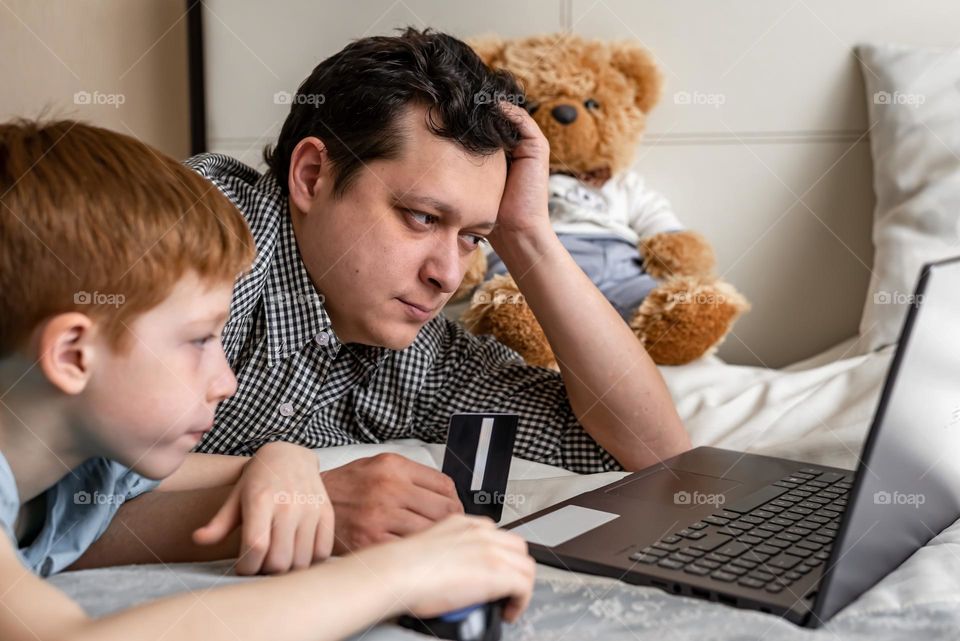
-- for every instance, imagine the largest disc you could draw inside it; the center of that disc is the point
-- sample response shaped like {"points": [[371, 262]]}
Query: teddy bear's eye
{"points": [[532, 108], [590, 103]]}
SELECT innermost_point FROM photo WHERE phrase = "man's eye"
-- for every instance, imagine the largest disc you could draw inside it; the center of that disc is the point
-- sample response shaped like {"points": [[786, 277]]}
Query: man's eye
{"points": [[427, 219], [474, 240]]}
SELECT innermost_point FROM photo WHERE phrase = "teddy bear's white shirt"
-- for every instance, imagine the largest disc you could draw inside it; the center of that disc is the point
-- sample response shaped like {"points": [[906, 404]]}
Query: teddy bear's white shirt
{"points": [[623, 206]]}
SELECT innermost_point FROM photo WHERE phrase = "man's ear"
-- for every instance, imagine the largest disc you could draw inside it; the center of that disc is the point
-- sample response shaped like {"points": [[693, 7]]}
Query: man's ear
{"points": [[309, 167], [638, 66], [65, 351]]}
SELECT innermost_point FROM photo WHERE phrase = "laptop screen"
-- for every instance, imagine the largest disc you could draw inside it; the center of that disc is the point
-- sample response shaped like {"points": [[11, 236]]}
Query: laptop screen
{"points": [[907, 486]]}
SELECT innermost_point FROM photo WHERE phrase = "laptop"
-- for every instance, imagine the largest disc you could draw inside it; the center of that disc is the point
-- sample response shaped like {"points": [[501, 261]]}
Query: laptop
{"points": [[790, 538]]}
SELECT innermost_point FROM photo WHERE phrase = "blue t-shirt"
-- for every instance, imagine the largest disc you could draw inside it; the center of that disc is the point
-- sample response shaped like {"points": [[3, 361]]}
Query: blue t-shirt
{"points": [[77, 511]]}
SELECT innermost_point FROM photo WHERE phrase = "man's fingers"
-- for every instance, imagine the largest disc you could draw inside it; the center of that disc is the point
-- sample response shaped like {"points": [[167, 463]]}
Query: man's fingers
{"points": [[433, 480], [404, 523], [430, 504], [522, 119], [224, 522]]}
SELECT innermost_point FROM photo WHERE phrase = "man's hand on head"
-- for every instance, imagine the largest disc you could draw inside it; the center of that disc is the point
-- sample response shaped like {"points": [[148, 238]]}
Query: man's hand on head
{"points": [[523, 207], [386, 497]]}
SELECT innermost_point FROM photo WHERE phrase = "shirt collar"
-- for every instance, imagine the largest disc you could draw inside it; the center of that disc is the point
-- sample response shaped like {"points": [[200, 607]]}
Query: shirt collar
{"points": [[293, 308]]}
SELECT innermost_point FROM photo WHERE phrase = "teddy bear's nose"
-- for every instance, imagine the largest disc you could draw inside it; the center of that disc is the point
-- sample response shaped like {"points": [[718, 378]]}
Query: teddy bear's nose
{"points": [[564, 114]]}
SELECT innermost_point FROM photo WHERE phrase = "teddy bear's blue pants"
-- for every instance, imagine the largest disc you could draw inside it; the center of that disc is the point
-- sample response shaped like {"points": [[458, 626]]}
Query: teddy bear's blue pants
{"points": [[613, 264]]}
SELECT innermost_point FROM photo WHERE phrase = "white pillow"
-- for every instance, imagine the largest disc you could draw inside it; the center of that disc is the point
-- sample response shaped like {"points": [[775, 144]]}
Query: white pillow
{"points": [[913, 103]]}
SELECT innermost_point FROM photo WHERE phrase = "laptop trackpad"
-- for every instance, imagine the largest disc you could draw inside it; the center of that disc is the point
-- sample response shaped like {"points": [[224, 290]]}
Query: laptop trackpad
{"points": [[678, 487]]}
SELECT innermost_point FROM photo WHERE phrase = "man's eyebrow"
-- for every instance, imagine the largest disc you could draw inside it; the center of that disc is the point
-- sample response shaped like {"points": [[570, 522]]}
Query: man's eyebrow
{"points": [[442, 207]]}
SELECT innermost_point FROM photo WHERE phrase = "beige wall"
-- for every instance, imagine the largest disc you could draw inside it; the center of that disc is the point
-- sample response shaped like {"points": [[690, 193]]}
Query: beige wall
{"points": [[129, 56]]}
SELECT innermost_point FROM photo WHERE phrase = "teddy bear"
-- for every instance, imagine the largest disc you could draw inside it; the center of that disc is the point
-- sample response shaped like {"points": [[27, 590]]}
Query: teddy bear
{"points": [[591, 98]]}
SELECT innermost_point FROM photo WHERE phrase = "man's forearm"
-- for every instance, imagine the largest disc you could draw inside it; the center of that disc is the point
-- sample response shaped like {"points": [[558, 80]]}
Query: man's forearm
{"points": [[615, 389], [157, 527]]}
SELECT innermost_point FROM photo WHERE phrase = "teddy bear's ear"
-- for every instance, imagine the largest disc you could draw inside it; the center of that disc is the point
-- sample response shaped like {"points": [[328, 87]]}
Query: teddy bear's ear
{"points": [[637, 64], [489, 48]]}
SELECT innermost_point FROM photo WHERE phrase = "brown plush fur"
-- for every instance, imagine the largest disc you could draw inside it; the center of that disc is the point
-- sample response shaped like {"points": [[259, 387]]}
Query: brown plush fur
{"points": [[680, 320], [683, 253], [612, 87], [499, 308]]}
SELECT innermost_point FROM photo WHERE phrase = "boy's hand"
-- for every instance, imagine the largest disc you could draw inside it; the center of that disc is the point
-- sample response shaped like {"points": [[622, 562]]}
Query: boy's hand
{"points": [[282, 506]]}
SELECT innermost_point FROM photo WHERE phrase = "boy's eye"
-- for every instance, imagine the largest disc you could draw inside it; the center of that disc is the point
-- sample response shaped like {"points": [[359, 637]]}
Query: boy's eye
{"points": [[202, 342]]}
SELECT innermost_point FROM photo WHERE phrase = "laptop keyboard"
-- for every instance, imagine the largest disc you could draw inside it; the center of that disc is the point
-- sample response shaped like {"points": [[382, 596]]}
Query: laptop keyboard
{"points": [[766, 540]]}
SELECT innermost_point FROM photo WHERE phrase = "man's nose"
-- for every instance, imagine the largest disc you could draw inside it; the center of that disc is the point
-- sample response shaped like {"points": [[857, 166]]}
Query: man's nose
{"points": [[442, 269]]}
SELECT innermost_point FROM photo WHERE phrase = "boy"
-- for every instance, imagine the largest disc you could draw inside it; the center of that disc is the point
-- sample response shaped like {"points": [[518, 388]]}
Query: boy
{"points": [[116, 273]]}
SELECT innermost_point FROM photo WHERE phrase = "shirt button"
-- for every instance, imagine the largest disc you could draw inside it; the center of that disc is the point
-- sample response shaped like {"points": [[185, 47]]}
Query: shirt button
{"points": [[322, 338], [286, 409], [46, 567]]}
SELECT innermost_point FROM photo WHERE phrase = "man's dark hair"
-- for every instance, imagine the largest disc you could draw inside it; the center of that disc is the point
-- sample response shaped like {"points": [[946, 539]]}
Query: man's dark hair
{"points": [[353, 99]]}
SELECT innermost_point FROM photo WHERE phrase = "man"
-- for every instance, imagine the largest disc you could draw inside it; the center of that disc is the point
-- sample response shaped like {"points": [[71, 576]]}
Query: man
{"points": [[397, 160]]}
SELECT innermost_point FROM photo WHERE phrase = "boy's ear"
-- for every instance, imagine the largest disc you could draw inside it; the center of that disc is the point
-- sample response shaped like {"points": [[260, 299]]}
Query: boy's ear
{"points": [[65, 351], [309, 166]]}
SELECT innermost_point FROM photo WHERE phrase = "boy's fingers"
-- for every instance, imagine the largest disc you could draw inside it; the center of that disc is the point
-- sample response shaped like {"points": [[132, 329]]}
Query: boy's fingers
{"points": [[255, 538], [223, 522], [282, 539], [305, 544], [323, 544]]}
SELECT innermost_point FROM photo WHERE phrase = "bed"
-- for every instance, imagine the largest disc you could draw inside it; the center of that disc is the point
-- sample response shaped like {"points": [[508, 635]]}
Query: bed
{"points": [[839, 163], [817, 411]]}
